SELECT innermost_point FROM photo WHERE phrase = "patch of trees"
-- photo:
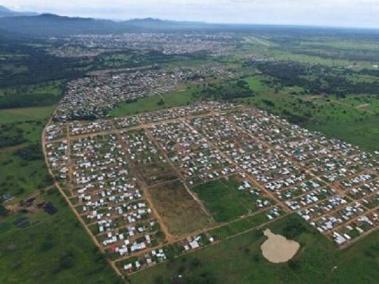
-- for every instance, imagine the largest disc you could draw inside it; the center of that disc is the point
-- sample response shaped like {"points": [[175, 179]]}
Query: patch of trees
{"points": [[295, 118], [27, 100], [293, 228], [3, 211], [39, 65], [30, 153], [10, 135], [226, 91], [316, 79], [334, 53], [66, 261]]}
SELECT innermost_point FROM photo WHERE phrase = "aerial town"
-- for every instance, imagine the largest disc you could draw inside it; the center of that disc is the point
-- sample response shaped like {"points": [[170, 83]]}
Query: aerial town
{"points": [[189, 142], [167, 43], [115, 174], [97, 93]]}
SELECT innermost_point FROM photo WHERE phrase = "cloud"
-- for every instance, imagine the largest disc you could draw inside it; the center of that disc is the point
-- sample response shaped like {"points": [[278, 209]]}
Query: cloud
{"points": [[360, 13]]}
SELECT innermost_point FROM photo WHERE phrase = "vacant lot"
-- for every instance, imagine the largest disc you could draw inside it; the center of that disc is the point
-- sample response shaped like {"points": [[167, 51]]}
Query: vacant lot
{"points": [[157, 172], [157, 102], [181, 213], [223, 200]]}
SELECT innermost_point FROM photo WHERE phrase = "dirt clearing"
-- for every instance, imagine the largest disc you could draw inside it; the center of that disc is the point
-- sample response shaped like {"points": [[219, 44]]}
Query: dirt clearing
{"points": [[179, 211], [278, 249]]}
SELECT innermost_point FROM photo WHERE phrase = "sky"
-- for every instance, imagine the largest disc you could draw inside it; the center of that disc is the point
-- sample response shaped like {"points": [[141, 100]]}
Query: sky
{"points": [[342, 13]]}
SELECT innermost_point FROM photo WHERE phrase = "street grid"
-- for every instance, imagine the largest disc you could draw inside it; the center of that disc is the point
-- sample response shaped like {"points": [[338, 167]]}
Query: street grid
{"points": [[107, 170]]}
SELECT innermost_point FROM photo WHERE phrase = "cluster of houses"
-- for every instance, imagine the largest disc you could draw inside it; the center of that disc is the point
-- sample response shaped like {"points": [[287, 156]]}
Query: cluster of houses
{"points": [[146, 260], [192, 153], [331, 184], [106, 165], [162, 254], [166, 43], [93, 96]]}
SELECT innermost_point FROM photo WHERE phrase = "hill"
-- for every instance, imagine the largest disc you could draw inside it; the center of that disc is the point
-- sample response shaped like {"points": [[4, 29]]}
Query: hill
{"points": [[53, 25], [5, 12]]}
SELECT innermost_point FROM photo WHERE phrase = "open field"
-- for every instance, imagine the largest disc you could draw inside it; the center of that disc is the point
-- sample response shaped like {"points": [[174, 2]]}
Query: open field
{"points": [[223, 199], [42, 248], [25, 114], [181, 213], [239, 260], [152, 103], [352, 118], [20, 177], [23, 167], [45, 94]]}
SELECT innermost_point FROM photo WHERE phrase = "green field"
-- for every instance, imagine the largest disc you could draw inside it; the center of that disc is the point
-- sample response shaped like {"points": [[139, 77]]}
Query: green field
{"points": [[50, 249], [223, 200], [25, 114], [44, 94], [20, 177], [21, 129], [153, 103], [352, 118], [239, 260]]}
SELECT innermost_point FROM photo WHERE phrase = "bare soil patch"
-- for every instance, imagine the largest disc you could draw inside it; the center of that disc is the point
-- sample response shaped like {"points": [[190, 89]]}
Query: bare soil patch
{"points": [[178, 210], [278, 249]]}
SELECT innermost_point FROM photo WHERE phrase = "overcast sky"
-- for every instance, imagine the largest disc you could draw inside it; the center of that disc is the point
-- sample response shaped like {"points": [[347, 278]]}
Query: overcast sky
{"points": [[347, 13]]}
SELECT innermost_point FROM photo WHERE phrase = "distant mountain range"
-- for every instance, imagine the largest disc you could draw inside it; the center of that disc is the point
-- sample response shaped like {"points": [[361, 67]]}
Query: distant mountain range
{"points": [[53, 25], [17, 24], [5, 12]]}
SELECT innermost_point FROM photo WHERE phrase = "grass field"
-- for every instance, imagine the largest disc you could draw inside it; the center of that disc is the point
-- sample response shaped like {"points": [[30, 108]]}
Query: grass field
{"points": [[51, 249], [19, 177], [153, 103], [181, 213], [223, 200], [353, 118], [45, 94], [239, 260], [25, 114]]}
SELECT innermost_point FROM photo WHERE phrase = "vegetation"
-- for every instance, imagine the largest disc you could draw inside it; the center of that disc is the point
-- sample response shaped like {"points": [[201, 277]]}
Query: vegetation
{"points": [[32, 95], [223, 200], [153, 103], [180, 212], [318, 79], [351, 118], [226, 91], [43, 248], [324, 80], [239, 260]]}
